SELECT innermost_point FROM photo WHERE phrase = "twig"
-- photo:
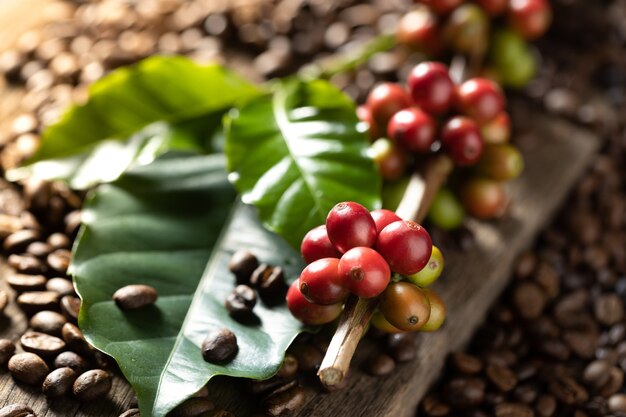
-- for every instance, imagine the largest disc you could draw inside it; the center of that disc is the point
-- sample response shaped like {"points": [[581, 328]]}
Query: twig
{"points": [[358, 311]]}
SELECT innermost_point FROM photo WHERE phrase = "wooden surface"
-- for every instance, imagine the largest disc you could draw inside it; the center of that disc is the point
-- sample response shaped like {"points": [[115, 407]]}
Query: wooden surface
{"points": [[470, 284]]}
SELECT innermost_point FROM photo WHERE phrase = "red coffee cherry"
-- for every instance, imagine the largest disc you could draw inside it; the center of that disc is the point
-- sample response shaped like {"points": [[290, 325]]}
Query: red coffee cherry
{"points": [[530, 18], [349, 225], [431, 87], [390, 159], [413, 129], [316, 245], [479, 98], [308, 312], [497, 130], [383, 217], [419, 30], [483, 198], [364, 272], [461, 140], [320, 282], [385, 100], [406, 246], [365, 115]]}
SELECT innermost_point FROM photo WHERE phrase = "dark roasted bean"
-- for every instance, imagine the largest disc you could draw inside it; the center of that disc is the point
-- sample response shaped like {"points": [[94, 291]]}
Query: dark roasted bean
{"points": [[283, 401], [92, 385], [193, 407], [220, 346], [60, 285], [35, 301], [465, 392], [39, 249], [242, 264], [466, 364], [240, 302], [75, 340], [596, 374], [27, 264], [59, 382], [59, 260], [568, 391], [4, 300], [609, 309], [289, 368], [49, 322], [71, 360], [380, 364], [22, 282], [614, 384], [42, 344], [17, 410], [133, 412], [18, 241], [502, 377], [513, 410], [309, 358], [270, 283], [546, 406], [132, 297], [70, 307], [7, 349], [28, 368]]}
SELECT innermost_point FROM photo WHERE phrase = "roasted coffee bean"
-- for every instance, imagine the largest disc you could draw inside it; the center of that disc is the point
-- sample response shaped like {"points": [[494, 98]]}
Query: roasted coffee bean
{"points": [[59, 260], [192, 407], [529, 300], [27, 264], [380, 364], [242, 264], [240, 302], [92, 385], [4, 300], [546, 406], [132, 297], [39, 249], [217, 413], [133, 412], [609, 309], [513, 410], [75, 340], [49, 322], [60, 285], [268, 385], [72, 222], [71, 360], [464, 392], [583, 344], [614, 384], [70, 307], [568, 391], [42, 344], [17, 410], [35, 301], [283, 401], [59, 382], [28, 368], [22, 282], [554, 348], [18, 241], [502, 377], [402, 347], [433, 407], [466, 364], [309, 358], [597, 374], [270, 283], [617, 403], [525, 393], [59, 241], [289, 368], [7, 349], [220, 346]]}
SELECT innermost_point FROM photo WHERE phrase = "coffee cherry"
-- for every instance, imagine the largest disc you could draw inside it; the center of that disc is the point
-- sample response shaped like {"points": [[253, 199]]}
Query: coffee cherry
{"points": [[446, 211], [442, 7], [385, 100], [379, 321], [431, 87], [437, 312], [530, 18], [383, 217], [365, 116], [501, 162], [405, 245], [461, 140], [497, 130], [316, 245], [467, 30], [431, 271], [479, 98], [405, 306], [493, 7], [413, 129], [349, 225], [364, 272], [308, 312], [418, 29], [320, 282], [483, 198], [390, 159], [513, 58]]}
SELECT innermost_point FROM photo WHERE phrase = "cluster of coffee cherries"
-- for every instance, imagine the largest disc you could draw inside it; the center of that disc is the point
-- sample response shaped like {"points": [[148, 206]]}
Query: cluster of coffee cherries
{"points": [[498, 28], [467, 121], [358, 252]]}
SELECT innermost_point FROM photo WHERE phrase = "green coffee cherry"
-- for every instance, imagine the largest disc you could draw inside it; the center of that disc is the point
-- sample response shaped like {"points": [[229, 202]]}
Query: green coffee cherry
{"points": [[512, 58], [437, 312], [467, 29], [501, 162], [431, 271], [446, 212], [380, 322]]}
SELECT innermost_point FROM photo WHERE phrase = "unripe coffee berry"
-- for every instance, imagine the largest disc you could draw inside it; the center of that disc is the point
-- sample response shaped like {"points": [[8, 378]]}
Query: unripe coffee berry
{"points": [[316, 245], [364, 272], [461, 140], [308, 312], [483, 198], [437, 312], [501, 162], [405, 306], [383, 217], [390, 159], [320, 282], [413, 129], [350, 225], [431, 271], [405, 245]]}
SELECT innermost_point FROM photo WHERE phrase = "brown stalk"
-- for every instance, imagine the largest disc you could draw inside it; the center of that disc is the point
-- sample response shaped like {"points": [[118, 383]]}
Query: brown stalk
{"points": [[414, 205]]}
